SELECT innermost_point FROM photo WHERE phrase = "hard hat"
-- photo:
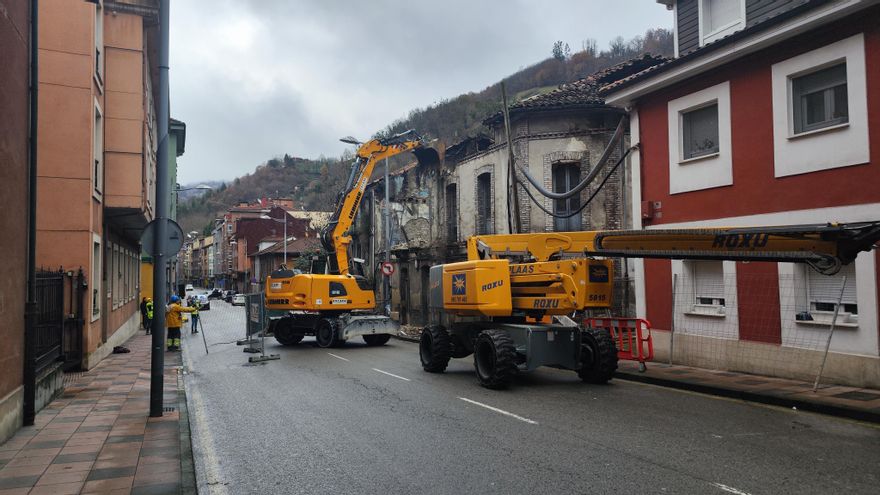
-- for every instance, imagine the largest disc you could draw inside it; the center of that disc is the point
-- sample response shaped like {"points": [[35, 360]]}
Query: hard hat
{"points": [[175, 299]]}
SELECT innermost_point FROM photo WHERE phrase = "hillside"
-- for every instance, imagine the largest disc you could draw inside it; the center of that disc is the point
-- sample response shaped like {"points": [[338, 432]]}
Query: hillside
{"points": [[314, 184]]}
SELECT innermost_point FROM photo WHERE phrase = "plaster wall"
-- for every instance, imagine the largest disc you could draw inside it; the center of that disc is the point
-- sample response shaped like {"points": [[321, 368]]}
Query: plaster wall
{"points": [[14, 101]]}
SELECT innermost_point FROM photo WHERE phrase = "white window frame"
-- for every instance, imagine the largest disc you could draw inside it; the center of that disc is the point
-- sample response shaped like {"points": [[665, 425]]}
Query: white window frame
{"points": [[96, 275], [723, 31], [830, 147], [851, 296], [716, 308], [707, 171], [683, 132], [98, 153], [100, 53], [113, 271]]}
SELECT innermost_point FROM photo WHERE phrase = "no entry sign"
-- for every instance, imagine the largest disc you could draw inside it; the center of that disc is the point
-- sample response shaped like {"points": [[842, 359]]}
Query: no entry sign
{"points": [[387, 269]]}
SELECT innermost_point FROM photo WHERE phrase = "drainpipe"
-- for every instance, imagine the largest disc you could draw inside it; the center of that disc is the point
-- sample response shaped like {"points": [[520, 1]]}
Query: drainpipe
{"points": [[30, 308], [386, 282], [157, 364]]}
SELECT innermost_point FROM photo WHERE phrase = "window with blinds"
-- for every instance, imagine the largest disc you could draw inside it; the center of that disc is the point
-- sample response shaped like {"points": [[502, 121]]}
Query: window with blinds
{"points": [[824, 290], [819, 99], [708, 283]]}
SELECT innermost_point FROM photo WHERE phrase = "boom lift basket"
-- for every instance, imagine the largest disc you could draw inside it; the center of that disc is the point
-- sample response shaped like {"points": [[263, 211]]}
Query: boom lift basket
{"points": [[632, 336]]}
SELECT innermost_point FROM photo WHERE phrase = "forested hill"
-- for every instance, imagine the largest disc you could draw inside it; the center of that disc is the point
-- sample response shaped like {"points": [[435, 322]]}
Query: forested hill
{"points": [[314, 184]]}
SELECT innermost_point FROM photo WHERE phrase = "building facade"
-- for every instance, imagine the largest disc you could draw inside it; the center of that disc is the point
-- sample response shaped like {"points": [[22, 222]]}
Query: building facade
{"points": [[767, 116], [97, 154], [14, 100]]}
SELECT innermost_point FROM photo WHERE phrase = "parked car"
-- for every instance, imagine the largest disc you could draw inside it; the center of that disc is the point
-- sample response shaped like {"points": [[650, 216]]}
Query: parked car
{"points": [[204, 301], [227, 296], [239, 300], [216, 294], [189, 288]]}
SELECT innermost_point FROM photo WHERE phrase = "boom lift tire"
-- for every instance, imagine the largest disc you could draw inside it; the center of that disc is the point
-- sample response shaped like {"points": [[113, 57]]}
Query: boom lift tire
{"points": [[284, 334], [495, 359], [377, 339], [598, 356], [435, 349], [326, 333]]}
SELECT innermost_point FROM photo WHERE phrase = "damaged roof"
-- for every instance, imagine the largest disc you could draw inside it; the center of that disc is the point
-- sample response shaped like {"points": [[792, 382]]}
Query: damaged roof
{"points": [[583, 92]]}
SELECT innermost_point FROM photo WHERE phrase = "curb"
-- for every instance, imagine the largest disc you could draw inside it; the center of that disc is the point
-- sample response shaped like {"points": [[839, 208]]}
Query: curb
{"points": [[187, 461], [829, 409]]}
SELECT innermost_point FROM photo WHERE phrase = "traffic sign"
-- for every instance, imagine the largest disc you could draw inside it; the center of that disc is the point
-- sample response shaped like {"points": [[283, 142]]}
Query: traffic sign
{"points": [[387, 269], [173, 242]]}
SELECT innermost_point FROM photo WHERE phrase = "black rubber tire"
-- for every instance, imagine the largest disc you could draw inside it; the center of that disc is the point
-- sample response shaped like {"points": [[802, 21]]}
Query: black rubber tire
{"points": [[377, 339], [325, 333], [283, 332], [495, 359], [435, 349], [598, 356]]}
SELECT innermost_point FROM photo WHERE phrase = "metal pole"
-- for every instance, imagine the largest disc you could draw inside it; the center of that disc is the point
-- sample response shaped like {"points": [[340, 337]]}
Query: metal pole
{"points": [[157, 367], [386, 283], [285, 239], [513, 227], [30, 306], [830, 334], [672, 318]]}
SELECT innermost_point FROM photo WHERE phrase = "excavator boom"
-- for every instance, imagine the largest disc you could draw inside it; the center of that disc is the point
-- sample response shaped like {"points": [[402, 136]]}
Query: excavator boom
{"points": [[334, 237]]}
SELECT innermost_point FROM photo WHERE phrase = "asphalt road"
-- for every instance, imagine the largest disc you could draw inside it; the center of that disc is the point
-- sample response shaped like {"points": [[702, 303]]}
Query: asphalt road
{"points": [[359, 420]]}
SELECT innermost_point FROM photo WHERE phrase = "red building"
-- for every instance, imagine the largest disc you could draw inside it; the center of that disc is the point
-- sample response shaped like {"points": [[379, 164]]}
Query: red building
{"points": [[769, 114]]}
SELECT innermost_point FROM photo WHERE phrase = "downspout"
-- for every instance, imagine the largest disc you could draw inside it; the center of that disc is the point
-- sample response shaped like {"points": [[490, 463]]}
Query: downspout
{"points": [[30, 311]]}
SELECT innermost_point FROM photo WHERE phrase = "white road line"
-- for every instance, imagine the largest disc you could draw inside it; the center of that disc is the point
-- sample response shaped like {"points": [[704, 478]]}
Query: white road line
{"points": [[337, 357], [390, 374], [500, 411], [730, 489]]}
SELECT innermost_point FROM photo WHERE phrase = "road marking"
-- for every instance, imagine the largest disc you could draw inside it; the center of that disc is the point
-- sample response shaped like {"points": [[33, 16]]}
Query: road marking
{"points": [[337, 357], [390, 374], [730, 489], [500, 411]]}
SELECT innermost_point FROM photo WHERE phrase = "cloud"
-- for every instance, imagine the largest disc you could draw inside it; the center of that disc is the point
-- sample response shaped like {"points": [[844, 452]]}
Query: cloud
{"points": [[259, 78]]}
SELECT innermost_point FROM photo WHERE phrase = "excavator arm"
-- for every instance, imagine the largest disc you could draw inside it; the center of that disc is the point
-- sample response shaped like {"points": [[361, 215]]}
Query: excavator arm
{"points": [[335, 237], [824, 247]]}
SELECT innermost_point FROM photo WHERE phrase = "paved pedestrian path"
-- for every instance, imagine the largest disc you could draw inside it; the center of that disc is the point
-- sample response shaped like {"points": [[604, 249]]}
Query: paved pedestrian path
{"points": [[851, 402], [98, 436]]}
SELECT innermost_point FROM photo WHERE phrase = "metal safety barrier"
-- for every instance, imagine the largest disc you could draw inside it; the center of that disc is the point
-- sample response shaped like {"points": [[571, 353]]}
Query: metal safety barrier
{"points": [[631, 335]]}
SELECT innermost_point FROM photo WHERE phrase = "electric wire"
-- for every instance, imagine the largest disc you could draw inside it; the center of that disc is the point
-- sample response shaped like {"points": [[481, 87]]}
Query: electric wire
{"points": [[618, 134], [587, 202]]}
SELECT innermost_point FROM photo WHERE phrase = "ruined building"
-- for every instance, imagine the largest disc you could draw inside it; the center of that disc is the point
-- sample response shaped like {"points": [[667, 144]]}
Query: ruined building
{"points": [[557, 136]]}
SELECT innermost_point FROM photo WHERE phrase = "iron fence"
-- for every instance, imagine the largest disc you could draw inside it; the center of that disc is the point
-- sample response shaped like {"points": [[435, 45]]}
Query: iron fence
{"points": [[50, 319]]}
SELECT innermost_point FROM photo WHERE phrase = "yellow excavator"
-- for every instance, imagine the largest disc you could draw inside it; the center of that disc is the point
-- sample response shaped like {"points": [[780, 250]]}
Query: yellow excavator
{"points": [[339, 304], [509, 303]]}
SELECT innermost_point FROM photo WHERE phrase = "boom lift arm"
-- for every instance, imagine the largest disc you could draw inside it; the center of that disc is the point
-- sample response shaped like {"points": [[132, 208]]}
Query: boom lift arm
{"points": [[335, 237], [824, 247]]}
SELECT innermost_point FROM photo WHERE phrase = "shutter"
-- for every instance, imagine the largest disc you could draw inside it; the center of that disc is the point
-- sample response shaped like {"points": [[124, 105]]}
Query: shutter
{"points": [[721, 13], [709, 279], [826, 289]]}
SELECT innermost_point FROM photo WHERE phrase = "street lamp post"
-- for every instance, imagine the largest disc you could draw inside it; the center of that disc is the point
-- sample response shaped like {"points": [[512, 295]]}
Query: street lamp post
{"points": [[267, 217]]}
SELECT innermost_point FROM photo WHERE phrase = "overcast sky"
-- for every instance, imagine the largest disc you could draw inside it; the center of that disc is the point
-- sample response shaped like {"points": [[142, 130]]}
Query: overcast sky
{"points": [[254, 79]]}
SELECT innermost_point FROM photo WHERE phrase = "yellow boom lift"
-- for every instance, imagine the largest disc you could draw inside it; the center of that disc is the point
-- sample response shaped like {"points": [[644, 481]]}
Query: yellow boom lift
{"points": [[509, 302], [337, 305]]}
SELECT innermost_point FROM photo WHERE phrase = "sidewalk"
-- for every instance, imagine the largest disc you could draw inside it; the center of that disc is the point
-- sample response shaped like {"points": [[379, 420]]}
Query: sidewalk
{"points": [[850, 402], [98, 436]]}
